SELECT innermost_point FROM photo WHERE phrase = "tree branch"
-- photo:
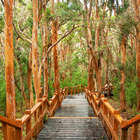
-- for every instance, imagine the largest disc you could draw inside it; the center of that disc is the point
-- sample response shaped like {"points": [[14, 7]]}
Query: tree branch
{"points": [[17, 32], [21, 35], [2, 2], [65, 35], [50, 48]]}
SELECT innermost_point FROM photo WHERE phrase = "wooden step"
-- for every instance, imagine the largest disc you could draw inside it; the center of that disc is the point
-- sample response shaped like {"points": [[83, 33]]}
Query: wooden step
{"points": [[75, 120], [72, 129]]}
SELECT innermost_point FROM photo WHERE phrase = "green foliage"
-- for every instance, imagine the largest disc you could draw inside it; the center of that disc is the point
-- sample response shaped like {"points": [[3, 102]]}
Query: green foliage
{"points": [[116, 87], [1, 22], [2, 94], [130, 84], [130, 81], [2, 88], [29, 23], [110, 4], [78, 78], [123, 8], [131, 93], [76, 73], [48, 15], [51, 88], [68, 12]]}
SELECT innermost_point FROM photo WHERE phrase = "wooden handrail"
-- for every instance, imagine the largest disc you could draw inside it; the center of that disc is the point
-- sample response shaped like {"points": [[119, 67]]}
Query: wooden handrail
{"points": [[114, 112], [35, 126], [37, 112], [130, 122], [112, 118], [13, 123]]}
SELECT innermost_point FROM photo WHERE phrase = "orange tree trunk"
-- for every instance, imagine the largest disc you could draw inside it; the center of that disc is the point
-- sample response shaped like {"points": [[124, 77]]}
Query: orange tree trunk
{"points": [[91, 84], [35, 59], [97, 31], [107, 66], [29, 80], [123, 62], [136, 4], [9, 67], [90, 45], [45, 48], [54, 39], [98, 66], [138, 67]]}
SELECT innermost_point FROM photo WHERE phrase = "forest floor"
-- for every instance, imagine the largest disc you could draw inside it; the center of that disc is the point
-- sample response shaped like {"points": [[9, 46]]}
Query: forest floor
{"points": [[128, 114]]}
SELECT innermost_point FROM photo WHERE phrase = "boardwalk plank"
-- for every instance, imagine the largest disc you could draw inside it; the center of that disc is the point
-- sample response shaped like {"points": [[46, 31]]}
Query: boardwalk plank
{"points": [[75, 120]]}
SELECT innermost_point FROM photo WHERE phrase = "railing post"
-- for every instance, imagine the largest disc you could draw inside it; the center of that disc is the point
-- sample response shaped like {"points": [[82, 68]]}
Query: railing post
{"points": [[28, 126], [40, 113], [28, 123], [135, 131], [67, 91], [4, 129], [71, 91], [18, 134], [74, 91], [78, 90], [81, 88], [18, 131], [35, 119], [115, 126], [124, 134]]}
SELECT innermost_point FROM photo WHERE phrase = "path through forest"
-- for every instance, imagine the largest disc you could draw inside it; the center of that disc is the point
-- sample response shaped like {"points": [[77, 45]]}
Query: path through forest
{"points": [[73, 121]]}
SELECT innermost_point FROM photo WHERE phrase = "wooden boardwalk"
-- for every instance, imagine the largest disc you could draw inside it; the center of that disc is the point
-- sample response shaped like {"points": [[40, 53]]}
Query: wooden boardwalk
{"points": [[73, 121]]}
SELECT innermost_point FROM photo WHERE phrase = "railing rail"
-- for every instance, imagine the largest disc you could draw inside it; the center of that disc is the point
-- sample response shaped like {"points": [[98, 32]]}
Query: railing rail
{"points": [[31, 123], [117, 127]]}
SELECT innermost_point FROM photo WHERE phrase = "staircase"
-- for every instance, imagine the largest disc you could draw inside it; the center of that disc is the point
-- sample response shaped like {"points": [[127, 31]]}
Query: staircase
{"points": [[73, 121]]}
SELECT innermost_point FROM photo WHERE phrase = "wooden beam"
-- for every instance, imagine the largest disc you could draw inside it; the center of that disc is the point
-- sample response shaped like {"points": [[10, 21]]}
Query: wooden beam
{"points": [[10, 122], [134, 132], [130, 122]]}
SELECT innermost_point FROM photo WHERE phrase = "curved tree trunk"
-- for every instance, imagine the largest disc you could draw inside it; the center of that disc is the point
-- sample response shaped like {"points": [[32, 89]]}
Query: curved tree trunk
{"points": [[91, 84], [96, 63], [9, 68]]}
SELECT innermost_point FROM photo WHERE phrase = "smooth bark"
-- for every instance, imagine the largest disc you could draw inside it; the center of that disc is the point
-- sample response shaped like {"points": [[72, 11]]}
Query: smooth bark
{"points": [[9, 67], [136, 4], [35, 54], [55, 55]]}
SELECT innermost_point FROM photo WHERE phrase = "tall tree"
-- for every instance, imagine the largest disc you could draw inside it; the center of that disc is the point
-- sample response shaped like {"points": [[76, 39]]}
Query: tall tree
{"points": [[35, 54], [29, 79], [45, 49], [137, 19], [55, 55], [97, 30], [123, 62], [91, 84], [9, 67], [96, 62]]}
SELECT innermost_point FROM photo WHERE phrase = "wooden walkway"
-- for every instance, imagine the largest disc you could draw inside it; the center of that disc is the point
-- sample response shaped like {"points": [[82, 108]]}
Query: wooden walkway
{"points": [[73, 121]]}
